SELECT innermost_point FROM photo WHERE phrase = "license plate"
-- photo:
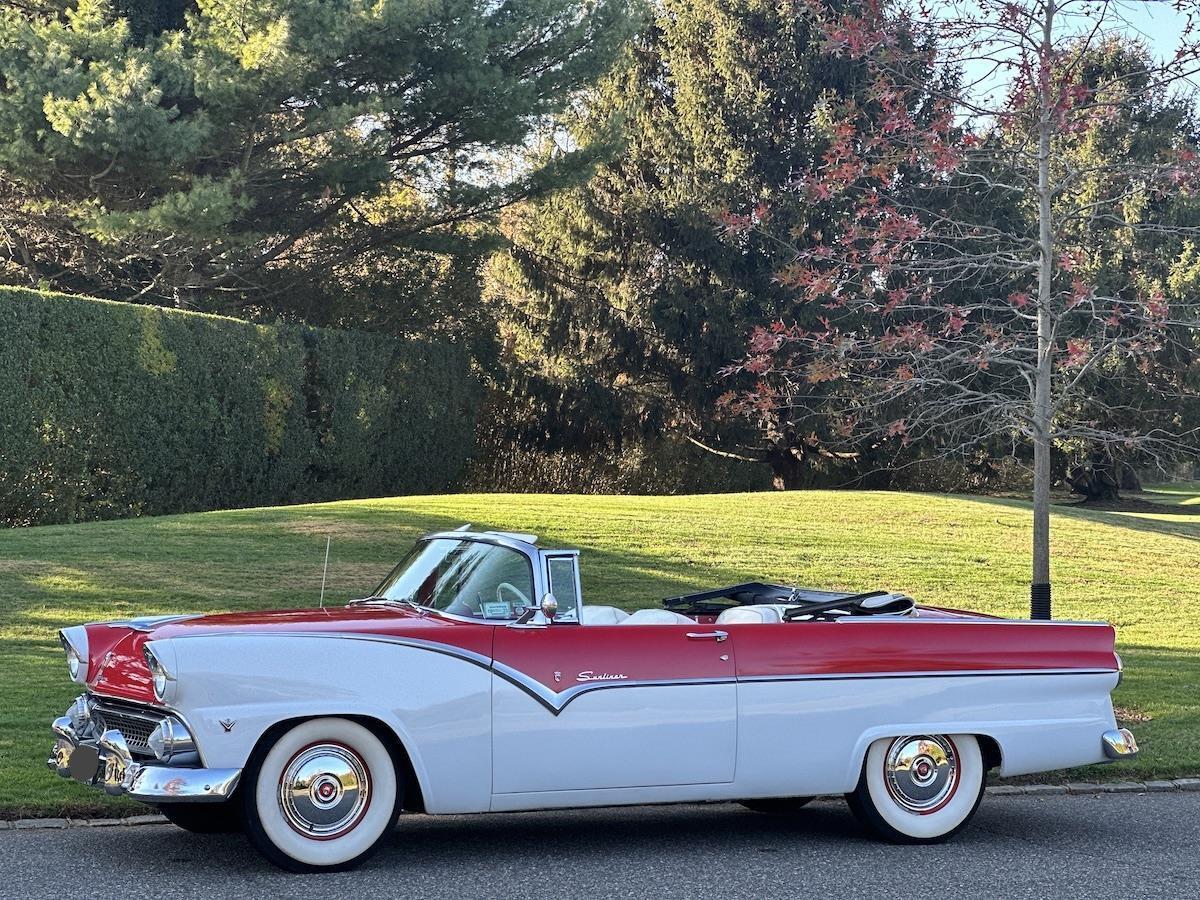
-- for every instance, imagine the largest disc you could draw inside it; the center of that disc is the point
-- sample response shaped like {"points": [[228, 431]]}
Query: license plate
{"points": [[84, 764]]}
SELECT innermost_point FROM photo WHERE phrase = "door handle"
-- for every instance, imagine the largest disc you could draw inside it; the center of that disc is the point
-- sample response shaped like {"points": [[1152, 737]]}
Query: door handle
{"points": [[717, 636]]}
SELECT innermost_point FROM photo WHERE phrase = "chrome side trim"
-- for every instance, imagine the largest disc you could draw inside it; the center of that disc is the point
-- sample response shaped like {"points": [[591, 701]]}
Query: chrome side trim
{"points": [[556, 701], [866, 620], [950, 673], [470, 656]]}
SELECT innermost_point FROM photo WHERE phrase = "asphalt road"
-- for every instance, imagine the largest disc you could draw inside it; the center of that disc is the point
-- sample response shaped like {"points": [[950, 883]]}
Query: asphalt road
{"points": [[1128, 846]]}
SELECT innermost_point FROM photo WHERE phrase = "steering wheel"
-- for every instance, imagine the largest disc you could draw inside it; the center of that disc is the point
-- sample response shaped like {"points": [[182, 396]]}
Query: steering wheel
{"points": [[504, 585]]}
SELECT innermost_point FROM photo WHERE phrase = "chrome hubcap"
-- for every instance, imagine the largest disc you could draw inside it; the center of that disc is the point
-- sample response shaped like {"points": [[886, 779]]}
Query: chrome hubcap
{"points": [[921, 772], [324, 790]]}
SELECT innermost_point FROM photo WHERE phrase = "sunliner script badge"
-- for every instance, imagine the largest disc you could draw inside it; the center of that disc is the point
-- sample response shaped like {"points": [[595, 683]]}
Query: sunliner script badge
{"points": [[589, 675]]}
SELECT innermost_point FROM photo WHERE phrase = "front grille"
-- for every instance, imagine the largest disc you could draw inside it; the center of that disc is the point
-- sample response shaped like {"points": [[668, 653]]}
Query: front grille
{"points": [[135, 724]]}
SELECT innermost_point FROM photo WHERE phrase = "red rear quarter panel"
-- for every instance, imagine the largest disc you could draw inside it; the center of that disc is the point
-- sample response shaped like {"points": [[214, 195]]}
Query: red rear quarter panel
{"points": [[915, 645]]}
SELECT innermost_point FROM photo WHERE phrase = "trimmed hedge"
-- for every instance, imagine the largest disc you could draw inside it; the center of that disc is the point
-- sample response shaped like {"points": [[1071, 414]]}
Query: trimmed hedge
{"points": [[113, 409]]}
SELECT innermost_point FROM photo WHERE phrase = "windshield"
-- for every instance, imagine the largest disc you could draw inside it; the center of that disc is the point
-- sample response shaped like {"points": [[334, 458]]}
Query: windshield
{"points": [[466, 578]]}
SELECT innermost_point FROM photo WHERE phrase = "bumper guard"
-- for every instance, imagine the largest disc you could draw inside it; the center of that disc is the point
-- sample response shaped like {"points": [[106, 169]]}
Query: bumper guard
{"points": [[1119, 744], [104, 761]]}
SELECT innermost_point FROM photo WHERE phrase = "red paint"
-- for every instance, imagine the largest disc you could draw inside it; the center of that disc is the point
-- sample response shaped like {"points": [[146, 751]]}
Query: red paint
{"points": [[117, 667], [640, 653], [920, 645], [940, 641]]}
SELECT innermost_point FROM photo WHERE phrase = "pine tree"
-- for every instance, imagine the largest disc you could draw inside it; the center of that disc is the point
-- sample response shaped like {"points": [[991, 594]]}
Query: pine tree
{"points": [[191, 151], [624, 298]]}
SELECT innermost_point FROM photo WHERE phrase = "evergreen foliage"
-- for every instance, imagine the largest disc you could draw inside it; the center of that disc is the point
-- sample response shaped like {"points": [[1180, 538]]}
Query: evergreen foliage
{"points": [[217, 154], [112, 409], [625, 298]]}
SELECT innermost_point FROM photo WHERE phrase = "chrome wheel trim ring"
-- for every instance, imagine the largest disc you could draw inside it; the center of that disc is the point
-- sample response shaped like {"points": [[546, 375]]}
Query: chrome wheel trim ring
{"points": [[921, 772], [324, 790]]}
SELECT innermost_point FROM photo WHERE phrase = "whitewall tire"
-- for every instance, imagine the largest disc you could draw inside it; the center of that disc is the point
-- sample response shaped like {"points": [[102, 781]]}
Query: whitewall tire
{"points": [[322, 796], [919, 789]]}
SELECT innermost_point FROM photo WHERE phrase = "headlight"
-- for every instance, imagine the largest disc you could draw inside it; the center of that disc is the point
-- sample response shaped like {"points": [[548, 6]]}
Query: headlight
{"points": [[75, 643], [161, 676]]}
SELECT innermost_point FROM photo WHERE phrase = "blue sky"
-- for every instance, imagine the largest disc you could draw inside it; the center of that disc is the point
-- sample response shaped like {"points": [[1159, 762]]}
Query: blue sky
{"points": [[1155, 22]]}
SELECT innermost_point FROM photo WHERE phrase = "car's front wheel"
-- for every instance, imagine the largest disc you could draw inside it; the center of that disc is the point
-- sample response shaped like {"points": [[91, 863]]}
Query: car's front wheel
{"points": [[919, 789], [322, 796]]}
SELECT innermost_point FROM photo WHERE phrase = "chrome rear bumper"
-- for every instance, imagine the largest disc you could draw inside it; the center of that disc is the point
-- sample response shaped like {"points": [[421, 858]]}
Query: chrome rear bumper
{"points": [[104, 760], [1119, 744]]}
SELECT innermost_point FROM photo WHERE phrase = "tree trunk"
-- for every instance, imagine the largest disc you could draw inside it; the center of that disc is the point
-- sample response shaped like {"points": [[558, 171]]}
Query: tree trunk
{"points": [[1039, 593], [788, 466], [1096, 480], [1128, 478], [1101, 478]]}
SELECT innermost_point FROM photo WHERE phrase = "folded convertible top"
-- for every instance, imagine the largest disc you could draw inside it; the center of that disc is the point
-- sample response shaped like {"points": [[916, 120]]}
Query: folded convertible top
{"points": [[750, 592]]}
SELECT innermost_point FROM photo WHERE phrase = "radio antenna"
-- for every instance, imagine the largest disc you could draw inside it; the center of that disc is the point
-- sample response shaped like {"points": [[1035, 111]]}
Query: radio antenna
{"points": [[325, 571]]}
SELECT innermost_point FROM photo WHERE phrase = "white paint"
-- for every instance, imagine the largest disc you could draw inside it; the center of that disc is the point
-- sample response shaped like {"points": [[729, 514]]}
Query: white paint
{"points": [[478, 741], [638, 736], [438, 705]]}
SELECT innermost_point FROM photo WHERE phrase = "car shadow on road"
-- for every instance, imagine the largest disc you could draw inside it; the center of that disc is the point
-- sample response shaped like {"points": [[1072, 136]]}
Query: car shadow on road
{"points": [[436, 847]]}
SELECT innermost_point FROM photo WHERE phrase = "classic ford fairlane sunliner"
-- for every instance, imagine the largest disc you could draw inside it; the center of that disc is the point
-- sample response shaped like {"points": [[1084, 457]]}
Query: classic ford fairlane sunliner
{"points": [[475, 679]]}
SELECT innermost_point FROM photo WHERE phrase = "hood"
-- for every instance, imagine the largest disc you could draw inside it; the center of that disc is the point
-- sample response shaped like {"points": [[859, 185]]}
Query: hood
{"points": [[117, 664]]}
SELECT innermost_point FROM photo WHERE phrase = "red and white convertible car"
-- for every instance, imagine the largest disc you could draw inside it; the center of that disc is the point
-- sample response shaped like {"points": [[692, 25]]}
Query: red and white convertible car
{"points": [[451, 691]]}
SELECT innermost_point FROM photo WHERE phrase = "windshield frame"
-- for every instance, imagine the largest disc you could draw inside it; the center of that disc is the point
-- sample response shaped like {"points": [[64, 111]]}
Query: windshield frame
{"points": [[533, 559]]}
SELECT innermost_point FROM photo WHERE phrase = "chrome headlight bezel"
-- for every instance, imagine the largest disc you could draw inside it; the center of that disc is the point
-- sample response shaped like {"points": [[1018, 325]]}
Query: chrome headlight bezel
{"points": [[161, 675], [75, 644]]}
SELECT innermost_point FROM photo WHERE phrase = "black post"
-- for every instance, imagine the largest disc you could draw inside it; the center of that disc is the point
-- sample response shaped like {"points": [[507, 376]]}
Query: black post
{"points": [[1039, 601]]}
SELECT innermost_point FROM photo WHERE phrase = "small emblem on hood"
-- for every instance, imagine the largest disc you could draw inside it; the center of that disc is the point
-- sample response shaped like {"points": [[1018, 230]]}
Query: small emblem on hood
{"points": [[227, 724]]}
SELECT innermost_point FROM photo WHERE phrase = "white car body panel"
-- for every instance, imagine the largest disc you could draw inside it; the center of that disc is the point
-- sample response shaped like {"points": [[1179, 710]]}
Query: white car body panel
{"points": [[438, 705]]}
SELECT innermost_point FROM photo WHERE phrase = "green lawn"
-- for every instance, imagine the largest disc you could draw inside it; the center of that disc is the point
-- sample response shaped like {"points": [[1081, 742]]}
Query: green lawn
{"points": [[1140, 571]]}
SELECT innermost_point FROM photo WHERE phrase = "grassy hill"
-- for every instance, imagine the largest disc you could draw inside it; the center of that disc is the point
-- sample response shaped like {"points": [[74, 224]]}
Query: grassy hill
{"points": [[1138, 570]]}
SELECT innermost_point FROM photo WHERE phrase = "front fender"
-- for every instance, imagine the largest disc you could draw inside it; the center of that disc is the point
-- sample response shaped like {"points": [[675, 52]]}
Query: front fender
{"points": [[232, 688]]}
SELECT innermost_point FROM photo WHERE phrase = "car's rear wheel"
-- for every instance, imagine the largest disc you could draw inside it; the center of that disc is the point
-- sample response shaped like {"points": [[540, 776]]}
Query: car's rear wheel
{"points": [[777, 806], [205, 818], [322, 796], [919, 789]]}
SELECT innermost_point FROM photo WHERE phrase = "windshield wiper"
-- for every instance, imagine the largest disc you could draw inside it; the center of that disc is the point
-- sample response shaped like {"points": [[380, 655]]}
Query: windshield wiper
{"points": [[406, 601]]}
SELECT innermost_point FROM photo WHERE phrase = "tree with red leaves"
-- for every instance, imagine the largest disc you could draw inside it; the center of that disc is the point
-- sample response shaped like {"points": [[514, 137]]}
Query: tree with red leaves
{"points": [[1017, 253]]}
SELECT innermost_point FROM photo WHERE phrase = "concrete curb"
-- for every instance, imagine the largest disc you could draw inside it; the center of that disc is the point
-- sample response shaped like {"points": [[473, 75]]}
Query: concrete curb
{"points": [[996, 790], [127, 822], [1088, 787]]}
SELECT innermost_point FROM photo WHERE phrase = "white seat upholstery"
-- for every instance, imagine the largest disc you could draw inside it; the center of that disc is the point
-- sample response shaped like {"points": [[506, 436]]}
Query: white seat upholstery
{"points": [[755, 614], [656, 617], [603, 615]]}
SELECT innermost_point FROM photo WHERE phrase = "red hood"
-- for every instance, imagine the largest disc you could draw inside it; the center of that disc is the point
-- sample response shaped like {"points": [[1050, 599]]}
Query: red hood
{"points": [[117, 666]]}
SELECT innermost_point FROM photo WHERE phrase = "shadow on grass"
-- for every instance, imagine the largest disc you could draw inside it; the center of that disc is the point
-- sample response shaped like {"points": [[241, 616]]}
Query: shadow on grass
{"points": [[1134, 520]]}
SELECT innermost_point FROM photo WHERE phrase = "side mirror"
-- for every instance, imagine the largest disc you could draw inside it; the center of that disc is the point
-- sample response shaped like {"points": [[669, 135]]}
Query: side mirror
{"points": [[549, 607]]}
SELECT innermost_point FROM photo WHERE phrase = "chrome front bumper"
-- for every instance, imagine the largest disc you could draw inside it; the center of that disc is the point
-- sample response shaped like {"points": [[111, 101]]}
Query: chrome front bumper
{"points": [[104, 760], [1119, 744]]}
